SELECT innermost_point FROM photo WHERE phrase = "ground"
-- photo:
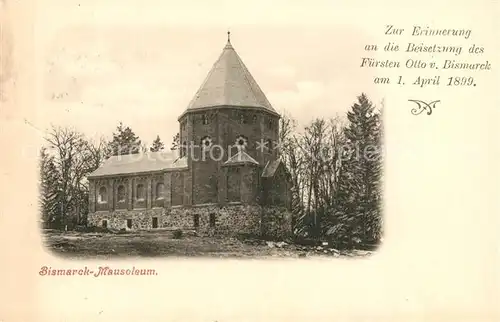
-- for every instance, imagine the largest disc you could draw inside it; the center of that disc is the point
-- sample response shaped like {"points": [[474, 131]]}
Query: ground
{"points": [[159, 243]]}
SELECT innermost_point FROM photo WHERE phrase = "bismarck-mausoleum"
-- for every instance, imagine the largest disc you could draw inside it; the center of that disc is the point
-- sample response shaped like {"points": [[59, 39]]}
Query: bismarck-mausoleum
{"points": [[226, 177]]}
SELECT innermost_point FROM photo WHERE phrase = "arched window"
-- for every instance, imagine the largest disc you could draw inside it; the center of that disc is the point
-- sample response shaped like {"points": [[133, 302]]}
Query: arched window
{"points": [[140, 192], [160, 187], [242, 118], [183, 149], [254, 119], [269, 145], [204, 119], [120, 193], [103, 196]]}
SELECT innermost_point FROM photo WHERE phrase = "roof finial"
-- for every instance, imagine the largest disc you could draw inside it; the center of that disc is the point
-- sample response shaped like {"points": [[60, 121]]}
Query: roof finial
{"points": [[228, 37]]}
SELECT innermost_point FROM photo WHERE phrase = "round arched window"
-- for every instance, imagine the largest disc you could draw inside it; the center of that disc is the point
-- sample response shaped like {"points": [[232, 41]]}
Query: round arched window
{"points": [[120, 194], [241, 142], [102, 196], [160, 187], [141, 193]]}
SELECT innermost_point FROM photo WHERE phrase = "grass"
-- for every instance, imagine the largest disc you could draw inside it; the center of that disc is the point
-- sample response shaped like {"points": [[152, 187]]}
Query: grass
{"points": [[162, 243]]}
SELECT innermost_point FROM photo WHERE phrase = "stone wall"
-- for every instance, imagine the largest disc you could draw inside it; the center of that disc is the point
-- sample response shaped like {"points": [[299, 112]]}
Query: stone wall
{"points": [[141, 218], [276, 222], [228, 220]]}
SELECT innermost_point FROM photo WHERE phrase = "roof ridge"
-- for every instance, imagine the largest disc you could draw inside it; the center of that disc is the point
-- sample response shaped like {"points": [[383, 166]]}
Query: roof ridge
{"points": [[239, 155], [245, 72]]}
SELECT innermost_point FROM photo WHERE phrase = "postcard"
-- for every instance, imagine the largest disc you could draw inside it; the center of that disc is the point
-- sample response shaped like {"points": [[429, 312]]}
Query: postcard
{"points": [[249, 161]]}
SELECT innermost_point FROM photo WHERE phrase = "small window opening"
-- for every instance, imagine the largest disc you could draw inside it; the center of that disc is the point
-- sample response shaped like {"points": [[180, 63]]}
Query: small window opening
{"points": [[129, 223], [155, 222], [196, 221], [105, 223], [212, 220]]}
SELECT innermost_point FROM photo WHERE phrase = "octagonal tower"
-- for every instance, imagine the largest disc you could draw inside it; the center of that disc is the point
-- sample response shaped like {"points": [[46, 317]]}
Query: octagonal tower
{"points": [[227, 133]]}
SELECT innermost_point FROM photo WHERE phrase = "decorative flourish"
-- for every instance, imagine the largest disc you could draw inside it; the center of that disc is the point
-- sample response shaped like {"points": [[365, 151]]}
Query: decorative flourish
{"points": [[423, 106]]}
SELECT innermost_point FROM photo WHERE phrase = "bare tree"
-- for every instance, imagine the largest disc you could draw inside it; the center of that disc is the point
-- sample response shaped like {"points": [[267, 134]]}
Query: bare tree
{"points": [[293, 159], [74, 157], [313, 158]]}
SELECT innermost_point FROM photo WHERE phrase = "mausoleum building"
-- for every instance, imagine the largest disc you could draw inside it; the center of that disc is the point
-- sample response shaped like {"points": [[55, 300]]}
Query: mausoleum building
{"points": [[225, 178]]}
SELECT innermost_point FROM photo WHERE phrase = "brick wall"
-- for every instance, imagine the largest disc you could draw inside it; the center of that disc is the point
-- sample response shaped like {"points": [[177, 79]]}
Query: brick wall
{"points": [[121, 183], [224, 126], [205, 182], [140, 191], [177, 188], [174, 192], [233, 184]]}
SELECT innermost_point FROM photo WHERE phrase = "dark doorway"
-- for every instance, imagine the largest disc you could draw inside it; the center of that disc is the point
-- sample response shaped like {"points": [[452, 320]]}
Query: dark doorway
{"points": [[129, 223], [196, 220], [155, 222], [105, 223], [212, 220]]}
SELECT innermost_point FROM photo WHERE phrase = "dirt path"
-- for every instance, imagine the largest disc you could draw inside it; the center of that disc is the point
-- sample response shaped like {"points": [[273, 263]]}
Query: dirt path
{"points": [[162, 244]]}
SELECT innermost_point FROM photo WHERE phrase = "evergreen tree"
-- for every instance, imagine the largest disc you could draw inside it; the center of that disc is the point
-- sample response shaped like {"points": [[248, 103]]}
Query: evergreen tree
{"points": [[157, 145], [125, 142], [175, 142], [49, 190], [359, 195]]}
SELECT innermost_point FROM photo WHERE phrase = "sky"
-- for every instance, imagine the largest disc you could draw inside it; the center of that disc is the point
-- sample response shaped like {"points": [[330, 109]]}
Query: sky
{"points": [[94, 73]]}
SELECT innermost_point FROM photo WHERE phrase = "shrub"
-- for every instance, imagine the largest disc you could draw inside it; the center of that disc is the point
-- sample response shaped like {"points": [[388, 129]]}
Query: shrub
{"points": [[177, 234], [92, 229], [81, 228]]}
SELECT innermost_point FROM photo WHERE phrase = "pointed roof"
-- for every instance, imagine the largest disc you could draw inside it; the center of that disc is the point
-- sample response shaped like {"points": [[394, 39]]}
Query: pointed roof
{"points": [[240, 158], [270, 168], [229, 83]]}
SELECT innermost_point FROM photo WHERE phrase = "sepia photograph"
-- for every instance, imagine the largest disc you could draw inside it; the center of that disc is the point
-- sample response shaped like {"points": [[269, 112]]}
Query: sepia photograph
{"points": [[212, 165], [249, 161]]}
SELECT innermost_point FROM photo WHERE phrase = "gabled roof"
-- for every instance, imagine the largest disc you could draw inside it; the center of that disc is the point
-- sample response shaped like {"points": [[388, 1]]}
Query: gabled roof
{"points": [[241, 158], [270, 168], [140, 163], [229, 83]]}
